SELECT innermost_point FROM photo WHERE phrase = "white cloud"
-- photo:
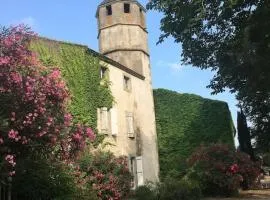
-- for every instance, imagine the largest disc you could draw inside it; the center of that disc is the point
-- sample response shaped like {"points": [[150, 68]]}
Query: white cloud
{"points": [[175, 66], [30, 21]]}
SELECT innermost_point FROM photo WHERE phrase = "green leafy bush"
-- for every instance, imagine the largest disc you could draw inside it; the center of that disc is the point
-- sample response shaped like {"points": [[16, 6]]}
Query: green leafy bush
{"points": [[170, 189], [46, 180], [145, 193], [184, 121], [182, 190], [221, 171]]}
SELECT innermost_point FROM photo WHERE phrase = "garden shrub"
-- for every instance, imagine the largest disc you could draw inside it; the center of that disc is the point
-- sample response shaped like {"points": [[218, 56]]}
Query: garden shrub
{"points": [[170, 189], [33, 105], [145, 193], [184, 121], [38, 136], [220, 170], [266, 159], [108, 175], [46, 180]]}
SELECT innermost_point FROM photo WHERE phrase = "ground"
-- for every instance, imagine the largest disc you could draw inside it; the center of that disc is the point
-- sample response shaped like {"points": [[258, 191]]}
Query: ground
{"points": [[250, 195]]}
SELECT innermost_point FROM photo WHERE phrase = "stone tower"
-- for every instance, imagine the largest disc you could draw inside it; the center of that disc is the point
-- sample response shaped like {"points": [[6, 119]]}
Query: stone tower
{"points": [[122, 33], [122, 38]]}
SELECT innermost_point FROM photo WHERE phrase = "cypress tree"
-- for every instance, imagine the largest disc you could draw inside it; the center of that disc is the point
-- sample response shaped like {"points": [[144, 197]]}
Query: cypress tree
{"points": [[244, 137]]}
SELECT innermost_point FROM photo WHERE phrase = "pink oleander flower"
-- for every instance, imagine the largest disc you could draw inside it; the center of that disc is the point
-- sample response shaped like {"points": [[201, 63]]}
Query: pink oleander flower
{"points": [[1, 141], [4, 60], [10, 159], [13, 134], [234, 168], [67, 119], [90, 134], [12, 173], [55, 74], [77, 137]]}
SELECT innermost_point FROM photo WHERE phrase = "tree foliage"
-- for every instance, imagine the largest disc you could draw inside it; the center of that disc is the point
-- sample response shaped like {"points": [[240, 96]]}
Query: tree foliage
{"points": [[244, 135], [231, 38]]}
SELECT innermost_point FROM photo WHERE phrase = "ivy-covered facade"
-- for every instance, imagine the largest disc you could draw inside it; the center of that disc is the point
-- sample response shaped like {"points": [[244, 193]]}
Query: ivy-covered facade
{"points": [[184, 122], [111, 91]]}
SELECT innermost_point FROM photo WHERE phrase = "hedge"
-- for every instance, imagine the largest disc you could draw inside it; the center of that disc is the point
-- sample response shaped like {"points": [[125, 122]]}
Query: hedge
{"points": [[184, 121]]}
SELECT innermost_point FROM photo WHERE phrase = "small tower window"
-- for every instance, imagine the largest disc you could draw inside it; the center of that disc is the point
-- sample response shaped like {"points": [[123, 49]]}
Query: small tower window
{"points": [[109, 10], [127, 84], [126, 7], [103, 72]]}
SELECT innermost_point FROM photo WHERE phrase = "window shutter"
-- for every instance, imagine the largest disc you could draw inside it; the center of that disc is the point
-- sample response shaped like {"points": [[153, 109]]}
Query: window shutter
{"points": [[114, 121], [139, 167], [130, 125], [104, 120]]}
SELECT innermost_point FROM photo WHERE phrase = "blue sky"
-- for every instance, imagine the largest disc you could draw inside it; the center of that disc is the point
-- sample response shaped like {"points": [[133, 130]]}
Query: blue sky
{"points": [[75, 21]]}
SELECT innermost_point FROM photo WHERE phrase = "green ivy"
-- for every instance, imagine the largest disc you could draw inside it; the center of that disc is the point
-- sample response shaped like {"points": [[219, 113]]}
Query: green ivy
{"points": [[81, 71], [184, 121]]}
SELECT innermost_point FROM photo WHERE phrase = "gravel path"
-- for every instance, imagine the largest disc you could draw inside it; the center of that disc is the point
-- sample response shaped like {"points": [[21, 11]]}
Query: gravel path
{"points": [[250, 195]]}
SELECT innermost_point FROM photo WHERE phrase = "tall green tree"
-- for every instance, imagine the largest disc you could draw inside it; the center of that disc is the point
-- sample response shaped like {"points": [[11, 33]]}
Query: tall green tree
{"points": [[244, 135], [232, 38]]}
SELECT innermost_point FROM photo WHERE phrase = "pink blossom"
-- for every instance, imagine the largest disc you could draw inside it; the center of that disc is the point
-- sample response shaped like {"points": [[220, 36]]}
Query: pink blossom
{"points": [[77, 137], [55, 74], [12, 173], [13, 134], [234, 168], [16, 77], [10, 159], [13, 116], [4, 60], [1, 141], [67, 119], [90, 134]]}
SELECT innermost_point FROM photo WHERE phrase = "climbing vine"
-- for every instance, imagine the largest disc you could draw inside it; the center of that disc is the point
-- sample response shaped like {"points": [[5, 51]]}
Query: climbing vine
{"points": [[81, 70], [184, 121]]}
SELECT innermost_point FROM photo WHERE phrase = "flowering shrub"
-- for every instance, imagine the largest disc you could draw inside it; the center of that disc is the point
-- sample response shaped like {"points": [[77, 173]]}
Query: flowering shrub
{"points": [[33, 105], [108, 175], [220, 170]]}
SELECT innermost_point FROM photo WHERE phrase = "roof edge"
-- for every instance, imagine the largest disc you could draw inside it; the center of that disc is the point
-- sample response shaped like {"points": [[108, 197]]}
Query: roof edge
{"points": [[99, 55], [115, 1]]}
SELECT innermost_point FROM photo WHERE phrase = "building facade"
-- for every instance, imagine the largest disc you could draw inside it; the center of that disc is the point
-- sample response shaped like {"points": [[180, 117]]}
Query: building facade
{"points": [[130, 124]]}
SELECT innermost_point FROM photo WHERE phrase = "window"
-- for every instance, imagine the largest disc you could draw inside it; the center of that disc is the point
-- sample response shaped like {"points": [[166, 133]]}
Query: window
{"points": [[109, 10], [132, 169], [136, 170], [127, 84], [104, 120], [103, 72], [130, 125], [126, 8]]}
